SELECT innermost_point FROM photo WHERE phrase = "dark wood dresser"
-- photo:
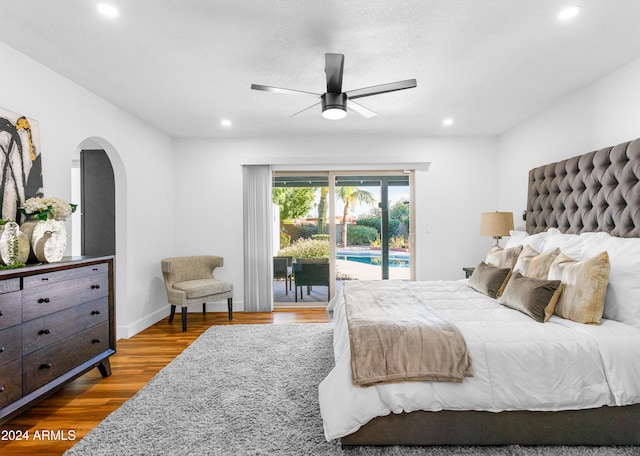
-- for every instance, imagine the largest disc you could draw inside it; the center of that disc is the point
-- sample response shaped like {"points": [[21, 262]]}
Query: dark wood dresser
{"points": [[57, 321]]}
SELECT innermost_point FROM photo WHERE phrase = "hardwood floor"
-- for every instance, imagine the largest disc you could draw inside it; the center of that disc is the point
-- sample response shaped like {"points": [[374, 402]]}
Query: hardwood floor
{"points": [[54, 425]]}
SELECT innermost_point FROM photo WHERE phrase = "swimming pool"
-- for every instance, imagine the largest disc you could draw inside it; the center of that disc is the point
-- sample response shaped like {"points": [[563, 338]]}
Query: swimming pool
{"points": [[374, 257]]}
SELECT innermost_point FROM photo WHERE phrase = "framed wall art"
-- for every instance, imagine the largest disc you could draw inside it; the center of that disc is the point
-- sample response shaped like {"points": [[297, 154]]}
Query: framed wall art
{"points": [[20, 163]]}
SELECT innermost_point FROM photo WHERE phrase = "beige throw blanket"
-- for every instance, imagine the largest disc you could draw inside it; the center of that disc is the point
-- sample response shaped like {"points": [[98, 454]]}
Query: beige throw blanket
{"points": [[396, 337]]}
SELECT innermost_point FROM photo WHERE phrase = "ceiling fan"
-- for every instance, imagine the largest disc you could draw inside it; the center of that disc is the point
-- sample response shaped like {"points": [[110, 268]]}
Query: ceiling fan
{"points": [[334, 101]]}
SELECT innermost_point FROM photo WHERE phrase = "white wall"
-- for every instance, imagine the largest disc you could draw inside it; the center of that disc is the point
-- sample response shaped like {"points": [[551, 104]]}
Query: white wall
{"points": [[70, 117], [459, 185], [603, 114]]}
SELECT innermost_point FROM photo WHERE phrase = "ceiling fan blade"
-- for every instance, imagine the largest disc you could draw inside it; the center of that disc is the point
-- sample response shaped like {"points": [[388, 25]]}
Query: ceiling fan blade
{"points": [[382, 88], [281, 90], [333, 67], [366, 112], [305, 109]]}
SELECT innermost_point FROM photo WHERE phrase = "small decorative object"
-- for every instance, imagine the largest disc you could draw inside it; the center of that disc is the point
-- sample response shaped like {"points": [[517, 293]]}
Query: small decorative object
{"points": [[14, 245], [48, 208], [47, 230]]}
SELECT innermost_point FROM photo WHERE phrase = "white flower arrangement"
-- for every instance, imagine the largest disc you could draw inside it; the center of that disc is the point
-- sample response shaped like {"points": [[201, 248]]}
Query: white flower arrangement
{"points": [[45, 208]]}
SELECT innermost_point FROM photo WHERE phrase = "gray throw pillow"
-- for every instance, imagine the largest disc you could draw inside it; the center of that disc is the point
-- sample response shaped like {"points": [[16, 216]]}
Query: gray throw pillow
{"points": [[488, 279], [536, 298]]}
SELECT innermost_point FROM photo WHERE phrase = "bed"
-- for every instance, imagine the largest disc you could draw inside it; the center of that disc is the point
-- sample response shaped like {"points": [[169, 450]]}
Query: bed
{"points": [[558, 382]]}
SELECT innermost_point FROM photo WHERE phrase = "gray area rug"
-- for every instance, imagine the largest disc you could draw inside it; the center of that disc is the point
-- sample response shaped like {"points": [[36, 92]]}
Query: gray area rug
{"points": [[252, 390]]}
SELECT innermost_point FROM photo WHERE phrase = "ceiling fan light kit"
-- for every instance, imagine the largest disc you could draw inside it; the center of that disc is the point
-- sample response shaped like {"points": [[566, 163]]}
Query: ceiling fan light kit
{"points": [[334, 105], [334, 101]]}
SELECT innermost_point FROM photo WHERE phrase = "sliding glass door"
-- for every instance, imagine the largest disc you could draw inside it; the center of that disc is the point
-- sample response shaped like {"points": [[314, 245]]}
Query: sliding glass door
{"points": [[374, 235], [357, 223]]}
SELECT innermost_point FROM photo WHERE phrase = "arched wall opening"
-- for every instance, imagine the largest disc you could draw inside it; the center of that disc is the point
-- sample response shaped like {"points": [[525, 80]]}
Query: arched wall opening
{"points": [[120, 181]]}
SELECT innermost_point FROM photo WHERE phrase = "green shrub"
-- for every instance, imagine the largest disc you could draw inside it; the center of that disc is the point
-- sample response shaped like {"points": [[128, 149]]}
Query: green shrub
{"points": [[306, 230], [307, 248], [398, 242], [321, 237], [394, 225], [360, 235], [300, 230], [377, 242], [285, 239], [374, 222]]}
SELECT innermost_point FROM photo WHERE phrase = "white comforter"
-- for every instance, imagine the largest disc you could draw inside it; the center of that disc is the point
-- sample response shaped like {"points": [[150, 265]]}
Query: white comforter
{"points": [[519, 364]]}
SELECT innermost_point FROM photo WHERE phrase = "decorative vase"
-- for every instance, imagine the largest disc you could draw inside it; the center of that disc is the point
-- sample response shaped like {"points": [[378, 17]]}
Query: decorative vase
{"points": [[48, 239], [14, 244]]}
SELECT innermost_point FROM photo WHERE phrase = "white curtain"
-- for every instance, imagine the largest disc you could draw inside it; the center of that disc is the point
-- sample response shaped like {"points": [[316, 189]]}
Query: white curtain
{"points": [[258, 248]]}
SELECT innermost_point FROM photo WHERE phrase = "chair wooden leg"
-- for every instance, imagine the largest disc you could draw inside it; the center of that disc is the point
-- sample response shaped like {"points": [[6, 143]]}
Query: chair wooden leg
{"points": [[286, 289], [184, 318], [173, 313], [296, 292], [230, 305], [204, 308]]}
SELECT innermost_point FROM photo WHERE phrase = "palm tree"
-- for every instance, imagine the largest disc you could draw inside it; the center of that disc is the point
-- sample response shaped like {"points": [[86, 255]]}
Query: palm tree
{"points": [[350, 196]]}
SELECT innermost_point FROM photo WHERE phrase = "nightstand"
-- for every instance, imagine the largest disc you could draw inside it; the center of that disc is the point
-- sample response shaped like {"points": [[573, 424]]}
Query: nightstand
{"points": [[468, 272]]}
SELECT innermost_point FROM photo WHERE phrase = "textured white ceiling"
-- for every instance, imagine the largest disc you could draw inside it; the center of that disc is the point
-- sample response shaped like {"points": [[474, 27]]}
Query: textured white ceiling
{"points": [[183, 65]]}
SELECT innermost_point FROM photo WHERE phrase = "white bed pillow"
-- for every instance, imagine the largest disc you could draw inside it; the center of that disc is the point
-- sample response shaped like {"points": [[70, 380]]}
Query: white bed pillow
{"points": [[569, 244], [516, 237], [622, 301], [536, 241]]}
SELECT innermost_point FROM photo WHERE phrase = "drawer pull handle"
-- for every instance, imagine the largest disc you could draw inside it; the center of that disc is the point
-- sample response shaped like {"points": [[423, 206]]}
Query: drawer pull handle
{"points": [[96, 341], [45, 366], [2, 349], [95, 312], [1, 389], [41, 300], [95, 287], [95, 269], [44, 331], [45, 278]]}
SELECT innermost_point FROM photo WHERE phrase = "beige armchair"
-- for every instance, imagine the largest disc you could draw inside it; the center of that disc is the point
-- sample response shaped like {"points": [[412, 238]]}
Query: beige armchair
{"points": [[189, 280]]}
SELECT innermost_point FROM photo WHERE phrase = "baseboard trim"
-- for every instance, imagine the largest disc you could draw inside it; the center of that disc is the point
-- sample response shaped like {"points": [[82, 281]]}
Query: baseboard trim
{"points": [[128, 331]]}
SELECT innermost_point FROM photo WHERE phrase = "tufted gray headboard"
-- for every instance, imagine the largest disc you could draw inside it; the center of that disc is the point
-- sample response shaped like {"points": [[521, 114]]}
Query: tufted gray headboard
{"points": [[597, 191]]}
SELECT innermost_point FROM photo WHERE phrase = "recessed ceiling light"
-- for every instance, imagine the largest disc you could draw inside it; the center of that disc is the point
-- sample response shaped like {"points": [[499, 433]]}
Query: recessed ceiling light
{"points": [[568, 13], [447, 122], [107, 10], [225, 123]]}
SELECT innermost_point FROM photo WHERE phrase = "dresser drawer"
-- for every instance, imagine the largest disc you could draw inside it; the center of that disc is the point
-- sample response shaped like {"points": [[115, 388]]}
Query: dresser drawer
{"points": [[10, 382], [9, 285], [43, 366], [40, 301], [10, 344], [48, 278], [10, 308], [54, 327]]}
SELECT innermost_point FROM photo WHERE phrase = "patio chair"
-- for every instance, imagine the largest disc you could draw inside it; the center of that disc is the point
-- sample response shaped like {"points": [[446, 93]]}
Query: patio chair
{"points": [[282, 269], [309, 272], [189, 280]]}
